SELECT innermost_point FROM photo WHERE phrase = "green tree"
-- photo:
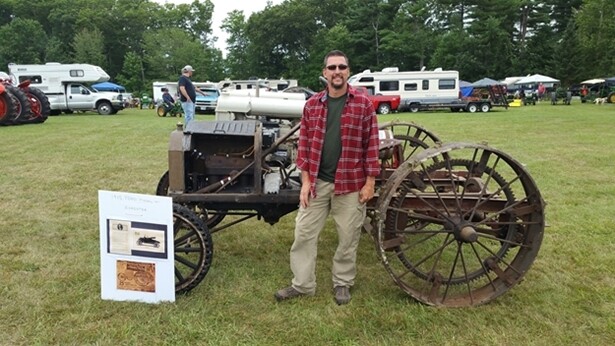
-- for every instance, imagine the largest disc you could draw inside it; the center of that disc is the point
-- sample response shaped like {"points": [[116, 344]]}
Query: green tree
{"points": [[596, 36], [23, 42], [237, 43], [56, 51], [132, 75], [88, 47]]}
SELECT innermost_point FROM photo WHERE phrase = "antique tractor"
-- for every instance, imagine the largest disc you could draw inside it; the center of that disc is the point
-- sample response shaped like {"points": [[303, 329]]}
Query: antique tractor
{"points": [[454, 224], [21, 104]]}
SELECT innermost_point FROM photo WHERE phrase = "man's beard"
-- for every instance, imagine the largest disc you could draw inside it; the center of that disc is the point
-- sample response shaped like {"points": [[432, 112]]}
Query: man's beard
{"points": [[338, 86]]}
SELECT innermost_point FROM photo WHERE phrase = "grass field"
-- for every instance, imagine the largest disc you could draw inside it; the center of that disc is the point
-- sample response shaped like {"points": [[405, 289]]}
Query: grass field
{"points": [[49, 249]]}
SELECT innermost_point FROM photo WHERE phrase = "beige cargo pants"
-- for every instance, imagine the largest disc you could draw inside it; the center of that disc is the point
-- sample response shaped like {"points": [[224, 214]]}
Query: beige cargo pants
{"points": [[348, 215]]}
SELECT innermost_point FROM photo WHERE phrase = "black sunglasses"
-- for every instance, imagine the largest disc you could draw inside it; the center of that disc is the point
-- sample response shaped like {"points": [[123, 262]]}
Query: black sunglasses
{"points": [[340, 67]]}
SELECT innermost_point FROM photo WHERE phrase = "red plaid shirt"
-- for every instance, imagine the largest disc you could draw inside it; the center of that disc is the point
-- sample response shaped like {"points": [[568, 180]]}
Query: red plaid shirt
{"points": [[359, 156]]}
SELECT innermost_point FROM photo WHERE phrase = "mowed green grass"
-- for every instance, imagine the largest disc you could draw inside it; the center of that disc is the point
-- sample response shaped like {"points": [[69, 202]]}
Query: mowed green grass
{"points": [[50, 260]]}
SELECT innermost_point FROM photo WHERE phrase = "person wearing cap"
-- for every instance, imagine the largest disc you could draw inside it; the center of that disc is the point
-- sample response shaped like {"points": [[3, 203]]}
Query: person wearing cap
{"points": [[187, 93]]}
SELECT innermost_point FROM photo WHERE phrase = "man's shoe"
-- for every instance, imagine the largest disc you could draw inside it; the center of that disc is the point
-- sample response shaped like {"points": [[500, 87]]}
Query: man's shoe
{"points": [[342, 295], [289, 293]]}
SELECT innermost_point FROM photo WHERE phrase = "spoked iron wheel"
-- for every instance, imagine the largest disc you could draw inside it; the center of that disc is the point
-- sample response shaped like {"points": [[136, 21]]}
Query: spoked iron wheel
{"points": [[193, 249], [211, 217], [460, 224], [414, 139]]}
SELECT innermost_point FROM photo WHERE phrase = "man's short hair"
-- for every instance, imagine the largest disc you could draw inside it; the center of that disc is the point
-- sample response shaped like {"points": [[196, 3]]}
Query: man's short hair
{"points": [[336, 52]]}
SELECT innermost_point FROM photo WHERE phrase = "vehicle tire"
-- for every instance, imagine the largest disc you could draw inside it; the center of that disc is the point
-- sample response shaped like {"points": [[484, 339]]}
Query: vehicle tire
{"points": [[472, 108], [611, 98], [414, 107], [485, 107], [41, 107], [194, 248], [7, 107], [23, 110], [69, 111], [161, 111], [104, 108], [384, 108], [55, 112]]}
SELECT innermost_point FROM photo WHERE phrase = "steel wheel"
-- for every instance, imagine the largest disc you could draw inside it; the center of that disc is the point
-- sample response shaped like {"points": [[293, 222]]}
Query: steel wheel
{"points": [[193, 249], [414, 139], [459, 224]]}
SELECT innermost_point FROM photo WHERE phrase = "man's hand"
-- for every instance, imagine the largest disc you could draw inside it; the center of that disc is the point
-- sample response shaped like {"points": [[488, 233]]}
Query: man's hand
{"points": [[367, 191], [304, 195]]}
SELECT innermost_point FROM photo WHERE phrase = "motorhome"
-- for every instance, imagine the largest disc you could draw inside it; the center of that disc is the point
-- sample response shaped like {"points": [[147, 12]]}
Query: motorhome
{"points": [[269, 84], [64, 85], [417, 89]]}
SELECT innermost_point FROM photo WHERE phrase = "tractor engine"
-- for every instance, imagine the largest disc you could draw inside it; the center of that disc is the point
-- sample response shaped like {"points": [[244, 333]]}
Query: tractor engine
{"points": [[208, 155]]}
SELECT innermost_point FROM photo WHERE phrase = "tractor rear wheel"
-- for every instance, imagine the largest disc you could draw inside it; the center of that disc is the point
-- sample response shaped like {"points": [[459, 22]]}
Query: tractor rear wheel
{"points": [[39, 105], [23, 110], [7, 107]]}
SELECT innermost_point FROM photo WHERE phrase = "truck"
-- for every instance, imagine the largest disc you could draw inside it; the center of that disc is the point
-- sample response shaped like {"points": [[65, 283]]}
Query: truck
{"points": [[207, 103], [383, 104], [419, 90], [65, 87]]}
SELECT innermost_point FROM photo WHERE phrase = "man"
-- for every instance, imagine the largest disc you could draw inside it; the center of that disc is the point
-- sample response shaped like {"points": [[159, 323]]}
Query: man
{"points": [[167, 100], [187, 93], [338, 159]]}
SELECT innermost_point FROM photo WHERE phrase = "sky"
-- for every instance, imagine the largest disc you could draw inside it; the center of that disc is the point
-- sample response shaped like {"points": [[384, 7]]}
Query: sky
{"points": [[222, 8]]}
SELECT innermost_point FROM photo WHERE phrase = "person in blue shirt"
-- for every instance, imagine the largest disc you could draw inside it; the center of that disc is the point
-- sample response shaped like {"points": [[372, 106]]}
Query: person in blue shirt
{"points": [[167, 100], [187, 93]]}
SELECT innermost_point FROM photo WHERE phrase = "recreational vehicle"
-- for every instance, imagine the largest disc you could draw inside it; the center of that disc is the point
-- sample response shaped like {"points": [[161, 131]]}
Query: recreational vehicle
{"points": [[417, 89], [270, 84], [64, 86]]}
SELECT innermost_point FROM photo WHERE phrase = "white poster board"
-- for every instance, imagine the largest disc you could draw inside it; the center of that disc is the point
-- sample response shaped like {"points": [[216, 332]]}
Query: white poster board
{"points": [[136, 247]]}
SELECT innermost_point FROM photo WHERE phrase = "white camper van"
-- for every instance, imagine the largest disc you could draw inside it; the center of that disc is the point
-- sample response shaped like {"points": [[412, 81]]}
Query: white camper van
{"points": [[63, 85], [417, 89]]}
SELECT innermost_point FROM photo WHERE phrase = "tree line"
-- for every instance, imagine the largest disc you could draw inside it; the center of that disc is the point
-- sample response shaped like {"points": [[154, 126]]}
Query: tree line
{"points": [[140, 41]]}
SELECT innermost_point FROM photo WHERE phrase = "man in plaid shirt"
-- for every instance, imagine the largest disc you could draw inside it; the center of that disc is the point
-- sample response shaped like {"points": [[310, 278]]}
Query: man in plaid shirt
{"points": [[338, 159]]}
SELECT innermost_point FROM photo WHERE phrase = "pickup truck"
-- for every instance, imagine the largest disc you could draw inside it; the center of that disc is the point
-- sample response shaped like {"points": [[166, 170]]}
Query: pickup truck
{"points": [[78, 97], [207, 103], [383, 104]]}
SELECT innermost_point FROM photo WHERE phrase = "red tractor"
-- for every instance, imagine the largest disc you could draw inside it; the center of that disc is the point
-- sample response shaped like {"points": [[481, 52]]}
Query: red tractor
{"points": [[22, 104]]}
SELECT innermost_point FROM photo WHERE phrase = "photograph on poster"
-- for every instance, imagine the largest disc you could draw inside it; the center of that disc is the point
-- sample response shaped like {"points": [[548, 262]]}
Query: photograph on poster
{"points": [[136, 276], [137, 238]]}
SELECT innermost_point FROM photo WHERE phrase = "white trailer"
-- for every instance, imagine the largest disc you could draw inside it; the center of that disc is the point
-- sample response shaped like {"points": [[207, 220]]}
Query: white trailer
{"points": [[417, 89], [64, 86]]}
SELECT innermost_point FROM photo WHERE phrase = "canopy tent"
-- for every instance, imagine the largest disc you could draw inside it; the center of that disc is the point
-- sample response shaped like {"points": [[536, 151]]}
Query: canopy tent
{"points": [[108, 86], [485, 82], [463, 84], [593, 81], [536, 78]]}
